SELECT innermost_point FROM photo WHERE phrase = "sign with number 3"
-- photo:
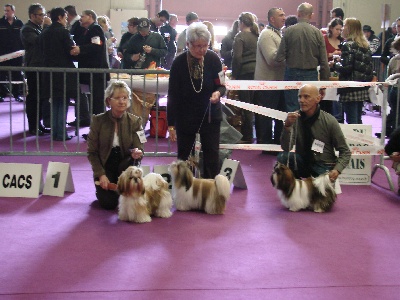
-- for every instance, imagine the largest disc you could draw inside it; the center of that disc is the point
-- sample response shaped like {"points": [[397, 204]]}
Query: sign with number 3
{"points": [[233, 171]]}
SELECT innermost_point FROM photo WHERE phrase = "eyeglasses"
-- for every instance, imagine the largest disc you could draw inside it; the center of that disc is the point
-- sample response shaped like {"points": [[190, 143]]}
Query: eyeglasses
{"points": [[120, 99], [40, 15], [199, 47]]}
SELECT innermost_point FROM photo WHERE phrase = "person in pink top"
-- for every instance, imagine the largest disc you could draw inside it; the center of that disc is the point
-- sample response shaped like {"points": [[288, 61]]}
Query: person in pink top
{"points": [[333, 40]]}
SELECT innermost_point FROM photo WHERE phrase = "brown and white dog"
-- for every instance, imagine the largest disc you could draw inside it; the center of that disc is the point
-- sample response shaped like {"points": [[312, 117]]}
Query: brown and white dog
{"points": [[189, 193], [317, 194], [142, 197]]}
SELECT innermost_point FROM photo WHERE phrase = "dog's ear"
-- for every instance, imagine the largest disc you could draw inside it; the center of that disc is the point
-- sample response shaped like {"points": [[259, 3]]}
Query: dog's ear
{"points": [[159, 182], [121, 183], [286, 179], [186, 175]]}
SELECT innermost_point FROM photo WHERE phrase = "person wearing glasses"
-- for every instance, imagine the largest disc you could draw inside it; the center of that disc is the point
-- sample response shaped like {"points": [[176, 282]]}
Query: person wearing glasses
{"points": [[33, 58], [194, 92], [115, 141]]}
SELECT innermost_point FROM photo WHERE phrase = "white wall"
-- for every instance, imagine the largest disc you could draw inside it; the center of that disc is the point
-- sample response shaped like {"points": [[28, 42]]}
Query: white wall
{"points": [[368, 11]]}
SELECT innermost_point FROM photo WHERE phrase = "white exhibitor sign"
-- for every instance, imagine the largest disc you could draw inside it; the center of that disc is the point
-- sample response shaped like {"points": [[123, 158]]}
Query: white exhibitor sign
{"points": [[358, 171], [20, 180], [58, 179]]}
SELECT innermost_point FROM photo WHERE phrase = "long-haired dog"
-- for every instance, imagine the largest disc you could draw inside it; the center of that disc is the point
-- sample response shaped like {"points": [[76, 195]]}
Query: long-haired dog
{"points": [[189, 193], [317, 194], [142, 197]]}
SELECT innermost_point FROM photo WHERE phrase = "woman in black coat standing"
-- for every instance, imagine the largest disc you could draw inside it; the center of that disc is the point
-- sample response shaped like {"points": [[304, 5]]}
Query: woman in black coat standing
{"points": [[56, 43], [194, 96]]}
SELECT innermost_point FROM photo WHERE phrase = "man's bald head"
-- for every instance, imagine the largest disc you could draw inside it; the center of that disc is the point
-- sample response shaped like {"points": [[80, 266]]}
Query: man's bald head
{"points": [[305, 11], [309, 97]]}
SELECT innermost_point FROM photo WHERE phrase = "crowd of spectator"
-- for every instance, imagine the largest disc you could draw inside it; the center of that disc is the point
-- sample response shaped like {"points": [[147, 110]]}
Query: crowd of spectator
{"points": [[286, 48]]}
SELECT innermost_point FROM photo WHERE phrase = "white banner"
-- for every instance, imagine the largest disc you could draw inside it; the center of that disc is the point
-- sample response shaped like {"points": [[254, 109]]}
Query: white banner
{"points": [[257, 85], [355, 150], [11, 55], [268, 112]]}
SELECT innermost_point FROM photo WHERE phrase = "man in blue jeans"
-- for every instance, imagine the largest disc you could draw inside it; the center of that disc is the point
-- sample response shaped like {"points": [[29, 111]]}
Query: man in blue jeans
{"points": [[303, 48]]}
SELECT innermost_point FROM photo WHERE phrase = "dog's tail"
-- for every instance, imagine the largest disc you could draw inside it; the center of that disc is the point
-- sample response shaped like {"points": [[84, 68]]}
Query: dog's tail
{"points": [[223, 186], [323, 184], [325, 197]]}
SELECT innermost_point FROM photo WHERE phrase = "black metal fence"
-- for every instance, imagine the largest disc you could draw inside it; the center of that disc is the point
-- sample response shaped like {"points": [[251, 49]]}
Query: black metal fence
{"points": [[16, 139]]}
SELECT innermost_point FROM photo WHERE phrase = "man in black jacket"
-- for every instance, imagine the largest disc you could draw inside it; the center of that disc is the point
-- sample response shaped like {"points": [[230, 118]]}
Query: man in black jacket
{"points": [[91, 52], [144, 47], [10, 27], [56, 43], [387, 54], [74, 26], [33, 58], [169, 34]]}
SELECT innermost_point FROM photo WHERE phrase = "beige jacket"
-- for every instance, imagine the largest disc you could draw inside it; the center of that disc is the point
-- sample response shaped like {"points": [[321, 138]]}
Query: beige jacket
{"points": [[267, 47]]}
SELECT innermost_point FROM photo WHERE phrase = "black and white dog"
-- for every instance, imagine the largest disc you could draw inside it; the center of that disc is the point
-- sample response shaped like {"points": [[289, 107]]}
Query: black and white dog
{"points": [[317, 194]]}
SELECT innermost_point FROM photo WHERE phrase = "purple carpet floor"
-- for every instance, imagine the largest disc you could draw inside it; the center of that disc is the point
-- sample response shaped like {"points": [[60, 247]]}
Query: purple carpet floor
{"points": [[69, 248]]}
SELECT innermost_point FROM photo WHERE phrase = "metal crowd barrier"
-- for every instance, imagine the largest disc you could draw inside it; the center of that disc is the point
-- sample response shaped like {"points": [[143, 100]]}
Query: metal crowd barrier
{"points": [[16, 140], [379, 68]]}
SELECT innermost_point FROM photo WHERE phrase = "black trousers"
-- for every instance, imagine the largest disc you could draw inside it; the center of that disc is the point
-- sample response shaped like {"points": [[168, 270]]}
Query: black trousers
{"points": [[209, 138], [97, 87], [247, 116], [265, 133], [33, 111], [115, 165]]}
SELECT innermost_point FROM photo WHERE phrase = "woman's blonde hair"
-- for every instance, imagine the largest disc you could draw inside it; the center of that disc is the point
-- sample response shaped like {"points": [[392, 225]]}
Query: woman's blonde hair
{"points": [[102, 20], [210, 28], [112, 87], [355, 33]]}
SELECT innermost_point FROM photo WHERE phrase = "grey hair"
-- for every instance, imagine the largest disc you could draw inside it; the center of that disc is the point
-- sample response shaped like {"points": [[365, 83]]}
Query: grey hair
{"points": [[197, 31], [117, 85]]}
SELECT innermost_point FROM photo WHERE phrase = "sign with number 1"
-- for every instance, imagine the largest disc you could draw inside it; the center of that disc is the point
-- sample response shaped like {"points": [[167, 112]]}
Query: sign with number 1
{"points": [[58, 179]]}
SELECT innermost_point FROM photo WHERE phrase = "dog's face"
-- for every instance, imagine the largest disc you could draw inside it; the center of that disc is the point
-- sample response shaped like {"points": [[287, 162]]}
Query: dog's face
{"points": [[282, 177], [181, 174], [131, 182]]}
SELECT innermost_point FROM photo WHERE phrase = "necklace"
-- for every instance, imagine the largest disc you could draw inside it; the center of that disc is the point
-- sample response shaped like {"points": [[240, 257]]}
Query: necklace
{"points": [[196, 71]]}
